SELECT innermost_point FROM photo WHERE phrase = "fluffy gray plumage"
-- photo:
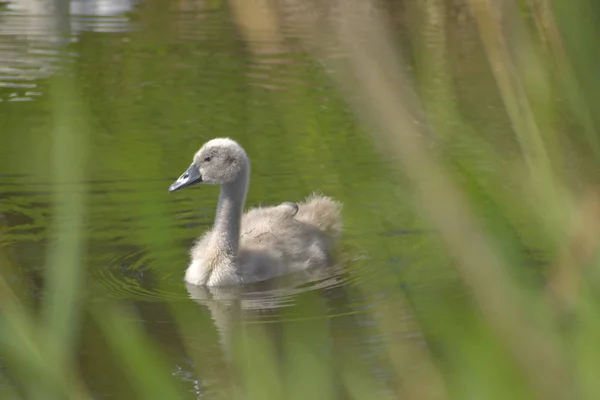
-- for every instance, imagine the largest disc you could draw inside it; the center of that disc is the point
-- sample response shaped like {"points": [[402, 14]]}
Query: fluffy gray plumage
{"points": [[265, 241]]}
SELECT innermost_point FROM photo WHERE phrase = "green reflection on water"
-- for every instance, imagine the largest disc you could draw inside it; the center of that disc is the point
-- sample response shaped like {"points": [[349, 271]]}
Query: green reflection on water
{"points": [[154, 96]]}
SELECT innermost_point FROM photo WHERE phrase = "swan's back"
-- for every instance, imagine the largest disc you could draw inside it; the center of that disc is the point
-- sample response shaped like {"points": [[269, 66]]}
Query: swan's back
{"points": [[288, 237]]}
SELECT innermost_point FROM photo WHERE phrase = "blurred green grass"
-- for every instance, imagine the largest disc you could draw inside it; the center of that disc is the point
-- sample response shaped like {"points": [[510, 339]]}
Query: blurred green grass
{"points": [[490, 196]]}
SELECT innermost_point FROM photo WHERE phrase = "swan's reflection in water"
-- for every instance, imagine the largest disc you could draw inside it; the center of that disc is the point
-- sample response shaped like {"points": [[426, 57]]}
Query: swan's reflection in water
{"points": [[230, 305], [206, 331], [315, 320], [264, 310]]}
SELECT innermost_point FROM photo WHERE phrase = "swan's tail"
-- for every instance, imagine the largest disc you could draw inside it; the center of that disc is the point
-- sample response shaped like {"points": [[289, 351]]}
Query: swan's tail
{"points": [[323, 212]]}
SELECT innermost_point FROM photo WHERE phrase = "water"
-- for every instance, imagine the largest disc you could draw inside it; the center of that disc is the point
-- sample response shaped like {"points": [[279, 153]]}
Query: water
{"points": [[157, 83]]}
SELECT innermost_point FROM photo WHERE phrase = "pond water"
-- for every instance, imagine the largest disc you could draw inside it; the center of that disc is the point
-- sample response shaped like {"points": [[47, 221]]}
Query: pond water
{"points": [[157, 81]]}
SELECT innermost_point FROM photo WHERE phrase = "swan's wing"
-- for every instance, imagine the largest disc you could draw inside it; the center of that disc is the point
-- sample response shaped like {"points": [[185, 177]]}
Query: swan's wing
{"points": [[260, 220], [282, 237]]}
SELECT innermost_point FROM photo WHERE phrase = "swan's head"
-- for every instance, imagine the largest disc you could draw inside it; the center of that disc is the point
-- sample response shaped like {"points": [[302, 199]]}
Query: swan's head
{"points": [[219, 161]]}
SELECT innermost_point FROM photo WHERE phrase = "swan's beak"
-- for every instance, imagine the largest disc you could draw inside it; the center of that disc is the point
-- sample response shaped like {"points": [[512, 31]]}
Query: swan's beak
{"points": [[189, 177]]}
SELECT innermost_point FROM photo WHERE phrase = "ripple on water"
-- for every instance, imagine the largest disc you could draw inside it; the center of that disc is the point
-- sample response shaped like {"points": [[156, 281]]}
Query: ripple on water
{"points": [[120, 267], [133, 275]]}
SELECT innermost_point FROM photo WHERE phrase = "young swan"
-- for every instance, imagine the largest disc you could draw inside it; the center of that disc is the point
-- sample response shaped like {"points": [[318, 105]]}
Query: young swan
{"points": [[264, 242]]}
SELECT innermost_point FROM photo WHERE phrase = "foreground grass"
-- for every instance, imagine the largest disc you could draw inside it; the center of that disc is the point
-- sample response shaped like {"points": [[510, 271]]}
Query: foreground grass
{"points": [[510, 336]]}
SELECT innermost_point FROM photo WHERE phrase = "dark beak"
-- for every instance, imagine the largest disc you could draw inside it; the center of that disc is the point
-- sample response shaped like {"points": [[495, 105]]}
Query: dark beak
{"points": [[189, 177]]}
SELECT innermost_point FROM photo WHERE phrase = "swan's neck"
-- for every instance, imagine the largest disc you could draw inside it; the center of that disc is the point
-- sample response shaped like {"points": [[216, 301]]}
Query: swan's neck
{"points": [[226, 230]]}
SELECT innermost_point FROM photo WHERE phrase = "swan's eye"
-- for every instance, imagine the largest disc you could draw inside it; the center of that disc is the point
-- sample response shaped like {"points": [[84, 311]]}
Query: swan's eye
{"points": [[207, 159]]}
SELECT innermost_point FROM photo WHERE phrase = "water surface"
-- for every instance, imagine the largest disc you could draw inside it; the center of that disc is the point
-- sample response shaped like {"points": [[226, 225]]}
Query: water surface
{"points": [[158, 82]]}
